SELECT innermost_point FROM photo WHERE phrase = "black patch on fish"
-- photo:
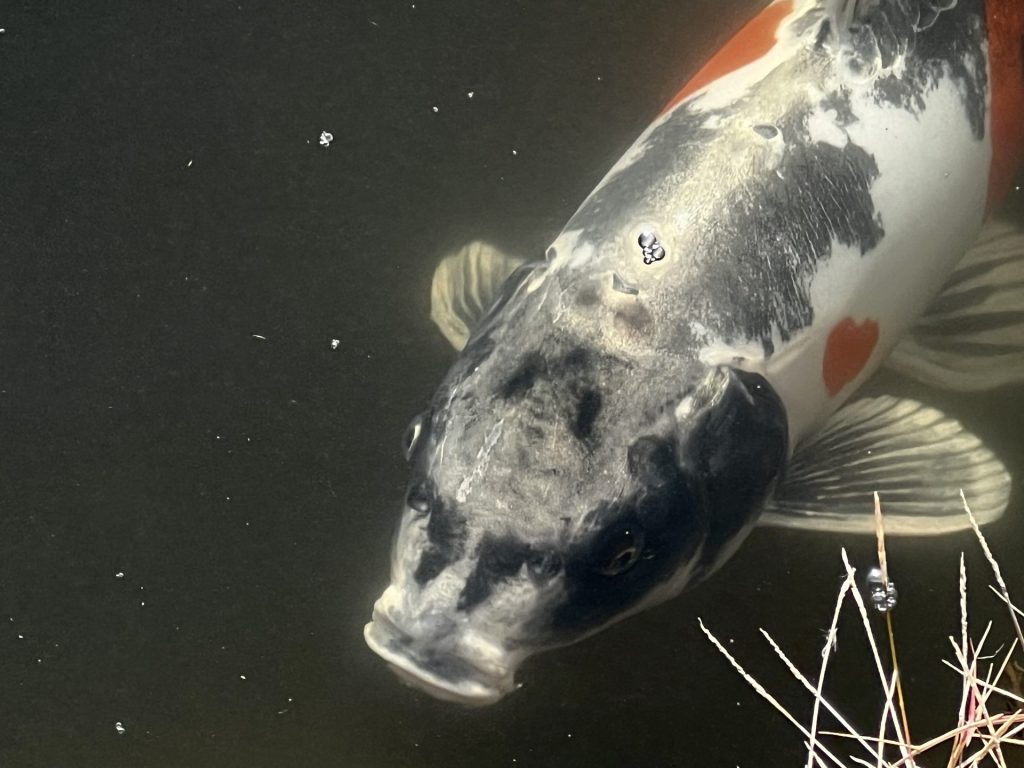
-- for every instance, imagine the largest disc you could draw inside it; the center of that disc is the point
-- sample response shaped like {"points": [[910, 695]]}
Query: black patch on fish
{"points": [[446, 537], [737, 450], [576, 359], [522, 379], [651, 460], [662, 518], [587, 410], [690, 493], [936, 42], [500, 558], [781, 227], [775, 230]]}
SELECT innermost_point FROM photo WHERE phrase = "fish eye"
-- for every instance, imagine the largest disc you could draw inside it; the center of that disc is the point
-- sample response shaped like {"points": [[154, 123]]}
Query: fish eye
{"points": [[420, 497], [621, 551], [412, 436]]}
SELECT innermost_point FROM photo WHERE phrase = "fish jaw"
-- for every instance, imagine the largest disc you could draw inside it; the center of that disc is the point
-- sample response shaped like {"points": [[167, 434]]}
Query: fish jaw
{"points": [[448, 662]]}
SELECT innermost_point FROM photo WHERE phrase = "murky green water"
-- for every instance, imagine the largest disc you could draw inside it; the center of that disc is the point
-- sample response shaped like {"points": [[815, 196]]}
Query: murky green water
{"points": [[198, 486]]}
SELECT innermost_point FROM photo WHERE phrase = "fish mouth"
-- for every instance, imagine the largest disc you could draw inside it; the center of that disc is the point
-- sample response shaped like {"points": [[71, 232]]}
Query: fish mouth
{"points": [[444, 676]]}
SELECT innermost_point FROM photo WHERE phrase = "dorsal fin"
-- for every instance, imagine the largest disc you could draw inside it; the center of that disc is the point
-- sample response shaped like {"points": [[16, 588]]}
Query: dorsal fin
{"points": [[465, 286]]}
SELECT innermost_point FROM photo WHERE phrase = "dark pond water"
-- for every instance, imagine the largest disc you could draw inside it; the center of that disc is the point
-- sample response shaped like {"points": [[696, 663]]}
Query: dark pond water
{"points": [[198, 485]]}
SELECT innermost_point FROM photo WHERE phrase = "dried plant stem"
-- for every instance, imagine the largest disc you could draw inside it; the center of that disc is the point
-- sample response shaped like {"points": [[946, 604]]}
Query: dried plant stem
{"points": [[980, 736], [884, 566], [763, 692], [830, 640], [851, 732], [995, 568]]}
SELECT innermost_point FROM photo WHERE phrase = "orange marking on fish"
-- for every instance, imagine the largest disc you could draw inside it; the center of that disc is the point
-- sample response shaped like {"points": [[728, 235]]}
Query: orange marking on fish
{"points": [[847, 351], [1005, 21], [752, 42]]}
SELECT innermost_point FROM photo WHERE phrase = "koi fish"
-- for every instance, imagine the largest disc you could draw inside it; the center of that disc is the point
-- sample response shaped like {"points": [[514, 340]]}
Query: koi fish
{"points": [[684, 362]]}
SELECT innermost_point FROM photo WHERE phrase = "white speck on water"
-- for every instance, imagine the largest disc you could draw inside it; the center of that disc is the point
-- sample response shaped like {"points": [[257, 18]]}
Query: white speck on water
{"points": [[335, 343], [514, 152], [142, 603], [228, 498], [326, 139], [374, 23], [434, 108], [119, 575], [188, 164], [258, 336], [569, 735], [21, 637], [39, 661], [241, 677], [470, 94], [289, 699], [119, 728]]}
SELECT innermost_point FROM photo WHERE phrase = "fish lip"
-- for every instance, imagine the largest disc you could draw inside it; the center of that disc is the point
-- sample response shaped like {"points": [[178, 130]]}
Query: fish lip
{"points": [[475, 688]]}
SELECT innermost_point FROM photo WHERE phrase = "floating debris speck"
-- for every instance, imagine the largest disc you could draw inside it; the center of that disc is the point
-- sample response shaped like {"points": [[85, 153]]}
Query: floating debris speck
{"points": [[119, 728], [326, 139], [335, 343]]}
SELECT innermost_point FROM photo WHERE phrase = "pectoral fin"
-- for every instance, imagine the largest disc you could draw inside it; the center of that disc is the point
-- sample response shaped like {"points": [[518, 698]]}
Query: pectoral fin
{"points": [[972, 337], [465, 285], [915, 457]]}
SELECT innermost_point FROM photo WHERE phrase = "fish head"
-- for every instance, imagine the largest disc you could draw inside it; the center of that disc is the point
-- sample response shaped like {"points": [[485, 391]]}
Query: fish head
{"points": [[556, 494]]}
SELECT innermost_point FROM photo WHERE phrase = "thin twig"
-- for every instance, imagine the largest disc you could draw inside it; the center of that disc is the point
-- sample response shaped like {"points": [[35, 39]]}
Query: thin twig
{"points": [[995, 567], [883, 565], [761, 690], [889, 708], [851, 731], [826, 652]]}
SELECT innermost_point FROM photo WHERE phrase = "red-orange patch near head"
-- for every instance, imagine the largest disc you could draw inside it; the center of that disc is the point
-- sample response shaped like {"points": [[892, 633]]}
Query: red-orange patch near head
{"points": [[1005, 21], [847, 351], [749, 44]]}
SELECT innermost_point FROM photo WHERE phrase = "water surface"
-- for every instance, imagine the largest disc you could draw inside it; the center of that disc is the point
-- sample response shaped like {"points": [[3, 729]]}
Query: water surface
{"points": [[214, 331]]}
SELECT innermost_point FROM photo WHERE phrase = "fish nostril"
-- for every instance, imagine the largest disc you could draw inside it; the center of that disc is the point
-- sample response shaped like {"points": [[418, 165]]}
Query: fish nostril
{"points": [[420, 497], [543, 566]]}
